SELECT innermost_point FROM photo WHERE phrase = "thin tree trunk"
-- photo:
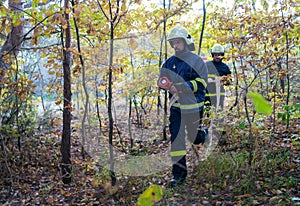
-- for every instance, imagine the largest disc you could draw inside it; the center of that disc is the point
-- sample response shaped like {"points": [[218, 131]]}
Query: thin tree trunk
{"points": [[236, 84], [98, 109], [287, 78], [113, 18], [286, 35], [165, 92], [202, 28], [66, 134], [159, 104], [86, 104], [110, 116], [42, 88], [129, 123], [251, 142]]}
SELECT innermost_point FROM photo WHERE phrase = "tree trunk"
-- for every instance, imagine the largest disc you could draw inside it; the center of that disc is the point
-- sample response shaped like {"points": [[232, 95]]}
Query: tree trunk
{"points": [[13, 42], [129, 123], [110, 116], [98, 108], [86, 104], [66, 135], [251, 142], [165, 92], [202, 28]]}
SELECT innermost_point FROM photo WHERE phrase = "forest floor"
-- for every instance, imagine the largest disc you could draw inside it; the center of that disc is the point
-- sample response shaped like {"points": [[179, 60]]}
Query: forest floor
{"points": [[223, 178]]}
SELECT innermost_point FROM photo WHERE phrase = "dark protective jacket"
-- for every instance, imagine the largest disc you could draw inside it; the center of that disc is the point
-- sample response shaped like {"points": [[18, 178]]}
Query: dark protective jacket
{"points": [[216, 70], [188, 73]]}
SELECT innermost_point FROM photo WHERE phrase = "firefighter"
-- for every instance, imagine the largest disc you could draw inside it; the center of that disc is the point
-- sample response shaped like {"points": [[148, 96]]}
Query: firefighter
{"points": [[184, 75], [218, 76]]}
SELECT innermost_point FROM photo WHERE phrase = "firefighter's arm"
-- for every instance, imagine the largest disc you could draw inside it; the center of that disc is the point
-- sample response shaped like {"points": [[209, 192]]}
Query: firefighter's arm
{"points": [[197, 84], [199, 80]]}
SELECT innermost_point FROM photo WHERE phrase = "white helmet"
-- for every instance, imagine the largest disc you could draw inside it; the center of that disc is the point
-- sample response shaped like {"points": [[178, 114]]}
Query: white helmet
{"points": [[181, 32], [217, 48]]}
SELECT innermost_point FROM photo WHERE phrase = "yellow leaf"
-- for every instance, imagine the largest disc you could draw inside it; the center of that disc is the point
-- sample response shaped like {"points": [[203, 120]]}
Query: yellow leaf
{"points": [[7, 29], [33, 41], [150, 196], [55, 122], [133, 44], [17, 22], [58, 74], [67, 194], [95, 183], [67, 11], [4, 10], [224, 184], [64, 26], [48, 13]]}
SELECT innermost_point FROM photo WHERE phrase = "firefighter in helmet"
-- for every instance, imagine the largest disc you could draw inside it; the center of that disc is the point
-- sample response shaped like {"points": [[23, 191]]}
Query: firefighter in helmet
{"points": [[184, 75], [218, 76]]}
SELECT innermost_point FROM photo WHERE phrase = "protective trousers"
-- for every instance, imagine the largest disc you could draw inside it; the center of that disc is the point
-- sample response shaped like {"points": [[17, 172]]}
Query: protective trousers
{"points": [[211, 97], [182, 125]]}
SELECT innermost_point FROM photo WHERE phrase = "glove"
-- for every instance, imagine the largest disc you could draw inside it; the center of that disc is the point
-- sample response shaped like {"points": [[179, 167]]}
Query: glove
{"points": [[225, 80]]}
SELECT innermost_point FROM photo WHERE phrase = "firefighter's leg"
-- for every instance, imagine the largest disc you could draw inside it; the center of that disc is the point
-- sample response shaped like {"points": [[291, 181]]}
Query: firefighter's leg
{"points": [[196, 132], [178, 149], [222, 98], [207, 106], [221, 126], [213, 101]]}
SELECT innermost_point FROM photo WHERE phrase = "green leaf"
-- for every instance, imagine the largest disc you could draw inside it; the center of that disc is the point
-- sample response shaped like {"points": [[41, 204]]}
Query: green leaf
{"points": [[260, 103], [242, 125], [287, 107], [284, 117], [150, 196]]}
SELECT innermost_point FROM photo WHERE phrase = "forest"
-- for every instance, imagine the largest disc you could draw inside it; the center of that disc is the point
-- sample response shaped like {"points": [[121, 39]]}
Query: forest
{"points": [[83, 122]]}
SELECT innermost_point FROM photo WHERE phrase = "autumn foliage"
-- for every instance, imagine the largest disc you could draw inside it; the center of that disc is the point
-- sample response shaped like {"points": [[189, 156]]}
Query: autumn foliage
{"points": [[112, 112]]}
